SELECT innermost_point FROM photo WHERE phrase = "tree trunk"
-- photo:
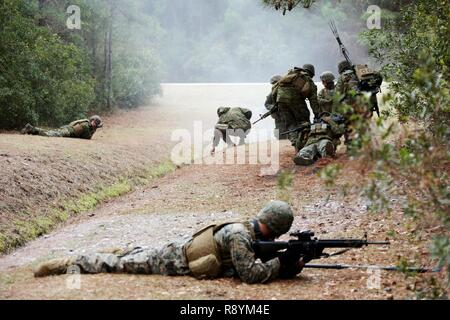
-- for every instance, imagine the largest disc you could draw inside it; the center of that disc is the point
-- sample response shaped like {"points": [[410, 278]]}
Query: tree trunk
{"points": [[109, 67]]}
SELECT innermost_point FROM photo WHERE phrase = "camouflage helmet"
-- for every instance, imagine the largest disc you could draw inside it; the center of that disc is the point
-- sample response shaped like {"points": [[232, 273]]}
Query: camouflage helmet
{"points": [[310, 68], [98, 121], [222, 110], [275, 79], [277, 216], [343, 66], [327, 76]]}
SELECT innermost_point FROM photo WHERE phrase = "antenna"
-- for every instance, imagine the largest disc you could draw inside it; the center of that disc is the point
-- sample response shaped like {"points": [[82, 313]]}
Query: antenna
{"points": [[334, 29]]}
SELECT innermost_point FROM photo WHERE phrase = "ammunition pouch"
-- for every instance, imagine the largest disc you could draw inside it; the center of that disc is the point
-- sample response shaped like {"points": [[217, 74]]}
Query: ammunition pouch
{"points": [[78, 130], [319, 128]]}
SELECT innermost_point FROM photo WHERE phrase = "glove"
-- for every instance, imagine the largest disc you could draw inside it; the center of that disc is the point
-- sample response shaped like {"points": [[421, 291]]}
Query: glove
{"points": [[289, 257], [289, 266], [306, 258]]}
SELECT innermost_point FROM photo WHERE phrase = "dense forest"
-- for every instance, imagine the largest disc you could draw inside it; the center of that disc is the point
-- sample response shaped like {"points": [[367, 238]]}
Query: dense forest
{"points": [[51, 74]]}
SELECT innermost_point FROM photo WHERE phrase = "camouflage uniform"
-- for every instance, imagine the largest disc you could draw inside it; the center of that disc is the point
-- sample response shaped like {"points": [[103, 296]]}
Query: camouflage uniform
{"points": [[321, 142], [326, 99], [270, 103], [235, 122], [234, 242], [326, 95], [346, 85], [291, 102], [347, 81], [77, 129]]}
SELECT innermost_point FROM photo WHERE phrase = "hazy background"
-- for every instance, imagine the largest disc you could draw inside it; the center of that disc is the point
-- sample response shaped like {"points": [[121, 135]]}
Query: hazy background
{"points": [[51, 74], [243, 41]]}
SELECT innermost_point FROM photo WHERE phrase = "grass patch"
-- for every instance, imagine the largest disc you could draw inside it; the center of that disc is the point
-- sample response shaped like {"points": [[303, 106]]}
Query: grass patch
{"points": [[21, 231]]}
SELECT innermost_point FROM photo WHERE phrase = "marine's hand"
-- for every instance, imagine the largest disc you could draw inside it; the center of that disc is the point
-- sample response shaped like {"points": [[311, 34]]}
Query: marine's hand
{"points": [[290, 264], [305, 259], [289, 257]]}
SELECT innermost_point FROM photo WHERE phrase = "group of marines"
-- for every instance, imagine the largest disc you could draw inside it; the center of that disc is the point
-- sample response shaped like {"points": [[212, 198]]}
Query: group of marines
{"points": [[334, 109]]}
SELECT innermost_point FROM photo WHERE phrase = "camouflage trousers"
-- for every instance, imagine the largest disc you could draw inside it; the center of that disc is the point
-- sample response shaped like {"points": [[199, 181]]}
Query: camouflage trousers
{"points": [[281, 127], [226, 134], [322, 149], [65, 131], [292, 116], [170, 260]]}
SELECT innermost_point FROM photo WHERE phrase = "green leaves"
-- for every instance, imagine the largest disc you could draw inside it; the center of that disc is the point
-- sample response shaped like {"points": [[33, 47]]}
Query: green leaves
{"points": [[50, 75], [46, 80], [329, 174]]}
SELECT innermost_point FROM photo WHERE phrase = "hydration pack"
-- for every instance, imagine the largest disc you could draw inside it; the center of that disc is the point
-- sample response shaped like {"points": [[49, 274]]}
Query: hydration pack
{"points": [[298, 79]]}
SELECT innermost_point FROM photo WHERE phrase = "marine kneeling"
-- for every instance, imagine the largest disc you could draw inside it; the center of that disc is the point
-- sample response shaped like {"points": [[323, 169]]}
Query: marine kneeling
{"points": [[320, 140]]}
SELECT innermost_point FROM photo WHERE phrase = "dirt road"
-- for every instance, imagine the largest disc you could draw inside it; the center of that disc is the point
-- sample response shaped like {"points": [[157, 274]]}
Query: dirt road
{"points": [[174, 206]]}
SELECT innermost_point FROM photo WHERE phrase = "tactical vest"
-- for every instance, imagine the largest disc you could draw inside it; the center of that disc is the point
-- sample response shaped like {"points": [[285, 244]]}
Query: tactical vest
{"points": [[203, 253], [319, 128], [77, 126]]}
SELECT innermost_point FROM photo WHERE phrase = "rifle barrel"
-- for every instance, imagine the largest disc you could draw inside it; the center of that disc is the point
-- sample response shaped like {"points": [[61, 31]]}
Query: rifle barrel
{"points": [[387, 268], [381, 243]]}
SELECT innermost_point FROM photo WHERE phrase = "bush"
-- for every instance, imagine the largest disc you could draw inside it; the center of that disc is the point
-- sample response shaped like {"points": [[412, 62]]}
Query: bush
{"points": [[42, 80]]}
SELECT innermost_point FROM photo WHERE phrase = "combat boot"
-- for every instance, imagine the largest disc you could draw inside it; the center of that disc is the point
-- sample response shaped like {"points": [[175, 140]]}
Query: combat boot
{"points": [[28, 129], [300, 161], [54, 267], [329, 150]]}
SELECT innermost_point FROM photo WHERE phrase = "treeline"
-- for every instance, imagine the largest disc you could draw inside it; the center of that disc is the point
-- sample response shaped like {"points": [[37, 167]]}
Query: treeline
{"points": [[50, 74]]}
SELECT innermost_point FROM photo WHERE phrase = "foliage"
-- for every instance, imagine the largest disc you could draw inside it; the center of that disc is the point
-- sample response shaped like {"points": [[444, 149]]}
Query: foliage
{"points": [[42, 79], [412, 158], [414, 49], [284, 185], [51, 75]]}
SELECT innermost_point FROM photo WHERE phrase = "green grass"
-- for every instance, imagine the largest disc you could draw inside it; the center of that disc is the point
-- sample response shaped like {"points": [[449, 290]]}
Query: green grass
{"points": [[27, 229]]}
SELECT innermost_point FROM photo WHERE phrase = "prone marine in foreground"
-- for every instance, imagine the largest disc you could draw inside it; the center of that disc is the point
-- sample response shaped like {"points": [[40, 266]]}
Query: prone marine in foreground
{"points": [[219, 250]]}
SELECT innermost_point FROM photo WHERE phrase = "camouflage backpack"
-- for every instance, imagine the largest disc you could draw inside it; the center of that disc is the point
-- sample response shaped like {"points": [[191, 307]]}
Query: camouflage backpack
{"points": [[369, 79], [78, 126], [298, 79]]}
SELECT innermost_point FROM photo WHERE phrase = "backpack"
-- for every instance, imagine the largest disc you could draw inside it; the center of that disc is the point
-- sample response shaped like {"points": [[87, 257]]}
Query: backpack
{"points": [[369, 79], [298, 79]]}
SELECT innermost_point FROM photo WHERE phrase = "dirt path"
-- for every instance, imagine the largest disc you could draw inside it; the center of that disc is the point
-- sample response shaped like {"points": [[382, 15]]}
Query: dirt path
{"points": [[174, 206]]}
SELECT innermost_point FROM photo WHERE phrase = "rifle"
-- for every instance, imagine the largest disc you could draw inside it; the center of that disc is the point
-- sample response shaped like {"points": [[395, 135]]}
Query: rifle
{"points": [[267, 114], [367, 86], [387, 268], [308, 245], [301, 128]]}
